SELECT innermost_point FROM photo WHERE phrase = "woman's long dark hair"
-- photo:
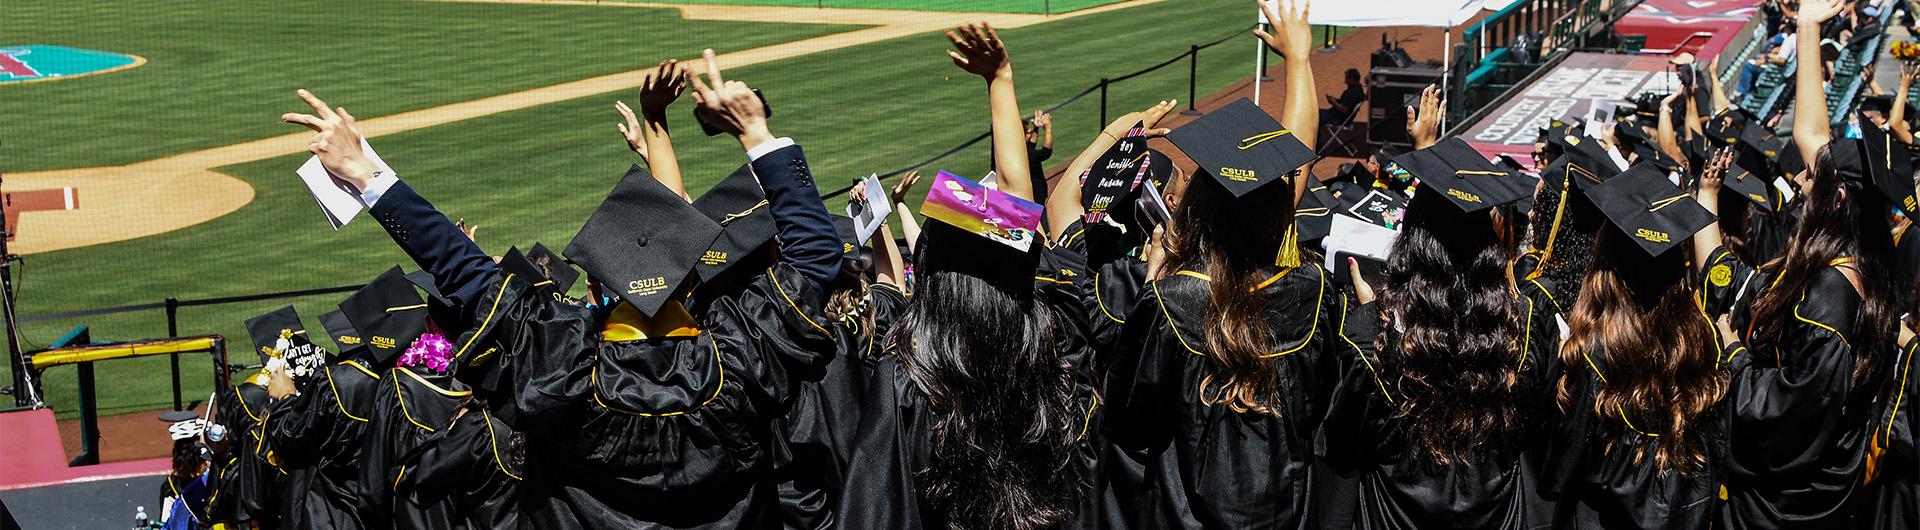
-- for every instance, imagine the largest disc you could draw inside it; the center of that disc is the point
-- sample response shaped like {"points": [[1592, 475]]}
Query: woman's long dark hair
{"points": [[1836, 225], [1572, 239], [1453, 328], [1235, 242], [980, 346], [186, 458], [1662, 376]]}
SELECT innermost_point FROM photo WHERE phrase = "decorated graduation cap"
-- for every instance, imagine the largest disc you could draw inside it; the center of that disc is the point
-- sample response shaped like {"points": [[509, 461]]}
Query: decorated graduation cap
{"points": [[973, 208], [1241, 148], [1115, 174], [344, 336], [1888, 167], [740, 207], [388, 314], [643, 241], [556, 268], [183, 424], [1453, 170], [1649, 209], [280, 335]]}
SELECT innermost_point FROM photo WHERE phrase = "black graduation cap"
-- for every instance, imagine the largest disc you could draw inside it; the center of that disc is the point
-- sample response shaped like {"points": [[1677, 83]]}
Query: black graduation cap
{"points": [[1889, 167], [1354, 172], [740, 207], [1314, 218], [1584, 164], [388, 314], [556, 268], [1241, 147], [1452, 169], [1789, 160], [643, 241], [1757, 150], [849, 235], [1649, 209], [1748, 185], [516, 263], [1631, 134], [1113, 174], [1509, 162], [424, 281], [270, 330], [1651, 154], [343, 334], [177, 416], [1884, 104], [1726, 128]]}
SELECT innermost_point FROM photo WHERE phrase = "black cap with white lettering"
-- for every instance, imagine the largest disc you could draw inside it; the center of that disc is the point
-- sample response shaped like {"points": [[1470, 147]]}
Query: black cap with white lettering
{"points": [[643, 241]]}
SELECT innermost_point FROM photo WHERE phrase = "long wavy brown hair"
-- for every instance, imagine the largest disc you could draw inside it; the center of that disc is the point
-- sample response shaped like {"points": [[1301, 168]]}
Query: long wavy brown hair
{"points": [[1836, 225], [1452, 335], [1638, 315], [1235, 241]]}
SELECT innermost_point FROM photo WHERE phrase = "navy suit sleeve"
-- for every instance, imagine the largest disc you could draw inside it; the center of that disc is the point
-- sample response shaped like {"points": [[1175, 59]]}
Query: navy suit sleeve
{"points": [[459, 268], [807, 239]]}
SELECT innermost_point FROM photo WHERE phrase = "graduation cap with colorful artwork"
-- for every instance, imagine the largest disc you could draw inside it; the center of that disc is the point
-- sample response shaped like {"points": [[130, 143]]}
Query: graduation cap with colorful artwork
{"points": [[1241, 148], [739, 206], [388, 314], [643, 242], [973, 208], [1115, 174], [1649, 209]]}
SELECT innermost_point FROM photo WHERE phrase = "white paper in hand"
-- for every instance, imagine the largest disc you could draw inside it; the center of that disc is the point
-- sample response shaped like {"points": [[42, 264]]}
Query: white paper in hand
{"points": [[1360, 238], [869, 214], [338, 201]]}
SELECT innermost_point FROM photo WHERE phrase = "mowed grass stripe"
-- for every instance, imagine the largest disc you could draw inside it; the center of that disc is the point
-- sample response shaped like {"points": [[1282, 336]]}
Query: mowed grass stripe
{"points": [[962, 6], [221, 72]]}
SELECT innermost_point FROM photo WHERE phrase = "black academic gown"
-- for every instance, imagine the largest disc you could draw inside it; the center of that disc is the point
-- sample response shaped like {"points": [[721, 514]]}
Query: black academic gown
{"points": [[1209, 466], [1894, 490], [1399, 487], [317, 436], [1797, 436], [825, 416], [1591, 466], [894, 443], [470, 465], [246, 483], [410, 407]]}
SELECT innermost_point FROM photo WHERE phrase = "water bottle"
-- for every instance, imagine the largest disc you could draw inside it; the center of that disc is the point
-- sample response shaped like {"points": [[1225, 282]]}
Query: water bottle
{"points": [[140, 520]]}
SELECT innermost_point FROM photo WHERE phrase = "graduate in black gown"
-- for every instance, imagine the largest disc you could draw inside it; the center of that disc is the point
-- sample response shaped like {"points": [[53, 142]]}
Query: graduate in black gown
{"points": [[1224, 367], [475, 464], [247, 480], [1893, 476], [1562, 222], [1820, 326], [317, 434], [1639, 441], [974, 418], [1443, 405], [414, 399]]}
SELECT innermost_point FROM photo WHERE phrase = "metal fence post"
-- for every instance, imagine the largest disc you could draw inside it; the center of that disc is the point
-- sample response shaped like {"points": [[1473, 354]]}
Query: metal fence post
{"points": [[1193, 78], [173, 330], [1103, 103]]}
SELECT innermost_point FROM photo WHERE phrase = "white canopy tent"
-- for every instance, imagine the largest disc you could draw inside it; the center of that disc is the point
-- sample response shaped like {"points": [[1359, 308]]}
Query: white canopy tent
{"points": [[1382, 13]]}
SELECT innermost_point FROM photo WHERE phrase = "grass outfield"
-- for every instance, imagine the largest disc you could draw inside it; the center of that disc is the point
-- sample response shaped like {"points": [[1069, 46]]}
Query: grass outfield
{"points": [[963, 6], [534, 174], [222, 72]]}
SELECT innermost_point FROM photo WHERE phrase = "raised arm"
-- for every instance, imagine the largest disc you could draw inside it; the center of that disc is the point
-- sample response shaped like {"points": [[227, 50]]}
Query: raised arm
{"points": [[1293, 39], [1424, 125], [459, 268], [1044, 121], [978, 50], [1720, 101], [1708, 195], [908, 226], [1812, 126], [1663, 131], [807, 240], [1897, 118], [658, 90]]}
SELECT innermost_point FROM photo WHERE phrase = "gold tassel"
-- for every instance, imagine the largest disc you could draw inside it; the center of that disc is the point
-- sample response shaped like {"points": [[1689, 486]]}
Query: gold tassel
{"points": [[1289, 256]]}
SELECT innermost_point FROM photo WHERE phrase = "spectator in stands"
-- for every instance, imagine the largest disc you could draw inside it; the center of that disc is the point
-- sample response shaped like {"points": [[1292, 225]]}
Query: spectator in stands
{"points": [[1039, 131], [1780, 50], [1340, 110]]}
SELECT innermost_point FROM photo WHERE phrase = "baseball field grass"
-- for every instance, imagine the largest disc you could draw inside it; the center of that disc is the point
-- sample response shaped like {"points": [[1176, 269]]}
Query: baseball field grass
{"points": [[532, 174], [964, 6]]}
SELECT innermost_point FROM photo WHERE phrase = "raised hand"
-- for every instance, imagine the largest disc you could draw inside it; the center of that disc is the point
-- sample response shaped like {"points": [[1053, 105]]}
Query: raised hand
{"points": [[630, 129], [1157, 253], [1908, 71], [1292, 36], [1150, 118], [903, 187], [1423, 123], [1816, 12], [731, 105], [1042, 119], [663, 85], [978, 50], [337, 142], [1713, 177]]}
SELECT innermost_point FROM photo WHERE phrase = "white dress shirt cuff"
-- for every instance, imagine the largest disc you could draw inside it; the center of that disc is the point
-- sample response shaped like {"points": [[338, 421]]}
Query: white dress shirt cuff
{"points": [[768, 146], [379, 186]]}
